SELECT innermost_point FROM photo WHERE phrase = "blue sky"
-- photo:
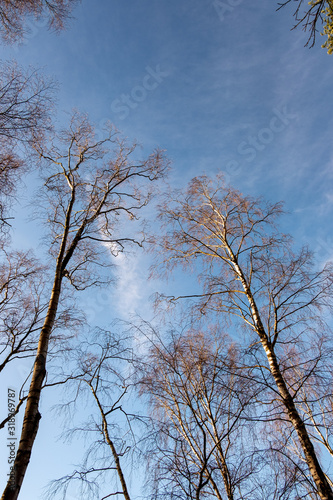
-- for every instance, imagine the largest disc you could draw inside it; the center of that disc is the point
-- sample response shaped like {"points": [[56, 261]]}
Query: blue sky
{"points": [[234, 91]]}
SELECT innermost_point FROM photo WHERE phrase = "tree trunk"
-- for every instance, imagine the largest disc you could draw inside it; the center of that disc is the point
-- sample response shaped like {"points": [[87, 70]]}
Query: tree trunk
{"points": [[324, 490], [116, 459], [111, 446], [31, 414]]}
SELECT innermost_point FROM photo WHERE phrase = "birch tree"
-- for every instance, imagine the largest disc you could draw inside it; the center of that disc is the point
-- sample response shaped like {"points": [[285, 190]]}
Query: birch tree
{"points": [[248, 270], [25, 103], [201, 400], [90, 188], [100, 381]]}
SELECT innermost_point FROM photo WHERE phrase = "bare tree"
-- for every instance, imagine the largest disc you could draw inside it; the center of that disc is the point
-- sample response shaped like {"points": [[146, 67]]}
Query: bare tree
{"points": [[316, 400], [14, 14], [90, 188], [9, 167], [249, 270], [100, 379], [23, 303], [21, 312], [25, 103], [314, 13], [21, 307], [201, 398], [281, 476]]}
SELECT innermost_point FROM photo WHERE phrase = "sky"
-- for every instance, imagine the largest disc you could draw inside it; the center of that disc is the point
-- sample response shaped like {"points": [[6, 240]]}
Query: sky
{"points": [[221, 86]]}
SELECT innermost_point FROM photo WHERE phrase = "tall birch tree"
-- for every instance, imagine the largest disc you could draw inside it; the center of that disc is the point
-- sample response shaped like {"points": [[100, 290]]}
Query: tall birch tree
{"points": [[200, 399], [249, 270], [90, 188]]}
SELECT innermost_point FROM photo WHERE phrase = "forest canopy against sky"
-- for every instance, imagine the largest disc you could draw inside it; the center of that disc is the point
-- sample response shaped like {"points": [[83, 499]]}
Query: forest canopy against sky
{"points": [[166, 246]]}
